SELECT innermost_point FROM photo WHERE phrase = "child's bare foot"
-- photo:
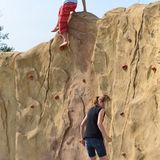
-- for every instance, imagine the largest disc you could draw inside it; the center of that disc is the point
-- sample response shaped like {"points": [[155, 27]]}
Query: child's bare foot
{"points": [[55, 29], [63, 45]]}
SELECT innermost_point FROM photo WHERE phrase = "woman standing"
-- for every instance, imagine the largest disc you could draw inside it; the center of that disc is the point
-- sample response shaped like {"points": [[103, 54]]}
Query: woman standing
{"points": [[94, 135]]}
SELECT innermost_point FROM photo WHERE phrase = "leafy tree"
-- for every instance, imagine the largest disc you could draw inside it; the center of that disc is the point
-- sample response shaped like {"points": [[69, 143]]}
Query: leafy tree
{"points": [[3, 46]]}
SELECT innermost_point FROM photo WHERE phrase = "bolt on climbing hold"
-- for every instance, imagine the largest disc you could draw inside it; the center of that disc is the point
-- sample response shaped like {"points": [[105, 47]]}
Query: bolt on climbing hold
{"points": [[154, 69], [125, 67]]}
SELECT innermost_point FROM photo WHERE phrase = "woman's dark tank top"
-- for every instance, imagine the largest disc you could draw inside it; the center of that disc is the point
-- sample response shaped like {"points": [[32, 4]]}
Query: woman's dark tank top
{"points": [[92, 130]]}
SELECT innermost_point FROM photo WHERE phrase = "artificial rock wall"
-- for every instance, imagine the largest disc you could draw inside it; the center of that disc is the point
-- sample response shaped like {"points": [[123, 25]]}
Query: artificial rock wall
{"points": [[45, 92]]}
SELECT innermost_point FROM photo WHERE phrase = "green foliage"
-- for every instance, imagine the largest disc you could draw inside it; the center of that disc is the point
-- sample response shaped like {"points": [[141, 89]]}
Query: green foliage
{"points": [[3, 46]]}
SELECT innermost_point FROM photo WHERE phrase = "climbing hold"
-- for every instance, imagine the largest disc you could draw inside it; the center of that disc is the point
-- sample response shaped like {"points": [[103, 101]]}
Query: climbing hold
{"points": [[154, 69], [122, 114], [129, 40], [56, 97], [84, 81], [124, 155], [32, 106], [125, 67], [30, 77]]}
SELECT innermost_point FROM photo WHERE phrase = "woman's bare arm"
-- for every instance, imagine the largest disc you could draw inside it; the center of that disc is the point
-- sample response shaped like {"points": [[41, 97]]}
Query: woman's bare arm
{"points": [[100, 125], [83, 123]]}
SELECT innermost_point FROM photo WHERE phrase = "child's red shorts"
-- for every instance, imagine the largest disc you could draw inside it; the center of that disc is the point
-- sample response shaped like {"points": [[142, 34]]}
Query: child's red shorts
{"points": [[64, 13]]}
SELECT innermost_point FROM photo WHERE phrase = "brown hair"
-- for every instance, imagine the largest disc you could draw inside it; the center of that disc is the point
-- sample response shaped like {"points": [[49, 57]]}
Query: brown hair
{"points": [[95, 101], [105, 98]]}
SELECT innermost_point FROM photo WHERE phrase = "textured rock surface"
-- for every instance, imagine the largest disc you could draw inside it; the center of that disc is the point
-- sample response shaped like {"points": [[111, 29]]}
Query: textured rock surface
{"points": [[127, 63], [45, 92], [43, 96]]}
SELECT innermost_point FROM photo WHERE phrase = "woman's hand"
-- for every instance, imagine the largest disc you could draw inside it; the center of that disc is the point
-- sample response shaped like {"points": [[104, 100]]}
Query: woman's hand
{"points": [[109, 139], [82, 141]]}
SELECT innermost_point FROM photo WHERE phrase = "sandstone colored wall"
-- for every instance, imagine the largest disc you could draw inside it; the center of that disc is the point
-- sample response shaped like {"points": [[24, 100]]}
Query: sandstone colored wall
{"points": [[45, 92], [127, 63]]}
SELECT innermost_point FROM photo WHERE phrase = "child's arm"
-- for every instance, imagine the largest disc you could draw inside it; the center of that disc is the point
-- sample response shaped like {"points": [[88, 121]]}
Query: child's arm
{"points": [[84, 5]]}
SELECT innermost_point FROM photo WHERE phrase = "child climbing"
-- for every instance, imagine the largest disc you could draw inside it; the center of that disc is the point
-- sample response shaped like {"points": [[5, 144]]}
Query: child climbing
{"points": [[65, 10], [94, 135]]}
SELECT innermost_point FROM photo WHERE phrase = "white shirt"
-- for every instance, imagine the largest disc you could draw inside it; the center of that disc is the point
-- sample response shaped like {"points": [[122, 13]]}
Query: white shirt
{"points": [[66, 1]]}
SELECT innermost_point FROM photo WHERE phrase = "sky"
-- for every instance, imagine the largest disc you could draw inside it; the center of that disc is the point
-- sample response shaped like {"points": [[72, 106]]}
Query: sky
{"points": [[29, 22]]}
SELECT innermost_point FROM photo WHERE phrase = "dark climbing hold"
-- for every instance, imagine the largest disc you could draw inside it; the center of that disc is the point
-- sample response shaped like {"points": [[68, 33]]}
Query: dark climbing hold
{"points": [[124, 155], [32, 106], [56, 97], [129, 40], [154, 69], [122, 114], [125, 67], [84, 81]]}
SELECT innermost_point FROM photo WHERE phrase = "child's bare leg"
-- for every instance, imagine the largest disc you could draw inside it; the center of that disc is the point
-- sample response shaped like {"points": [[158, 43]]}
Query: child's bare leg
{"points": [[65, 40], [65, 37], [70, 16]]}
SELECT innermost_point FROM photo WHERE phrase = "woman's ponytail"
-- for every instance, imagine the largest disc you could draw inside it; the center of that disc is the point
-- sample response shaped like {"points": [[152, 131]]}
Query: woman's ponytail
{"points": [[95, 101]]}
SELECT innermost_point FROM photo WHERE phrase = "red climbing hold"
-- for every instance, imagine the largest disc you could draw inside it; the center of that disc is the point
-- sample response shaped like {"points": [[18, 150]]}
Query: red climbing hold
{"points": [[56, 97], [30, 77], [154, 69], [125, 67]]}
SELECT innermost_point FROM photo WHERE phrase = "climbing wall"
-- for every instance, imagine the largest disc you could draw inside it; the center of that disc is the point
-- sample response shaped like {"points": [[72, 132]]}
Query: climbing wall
{"points": [[53, 94], [45, 92], [44, 95], [127, 63]]}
